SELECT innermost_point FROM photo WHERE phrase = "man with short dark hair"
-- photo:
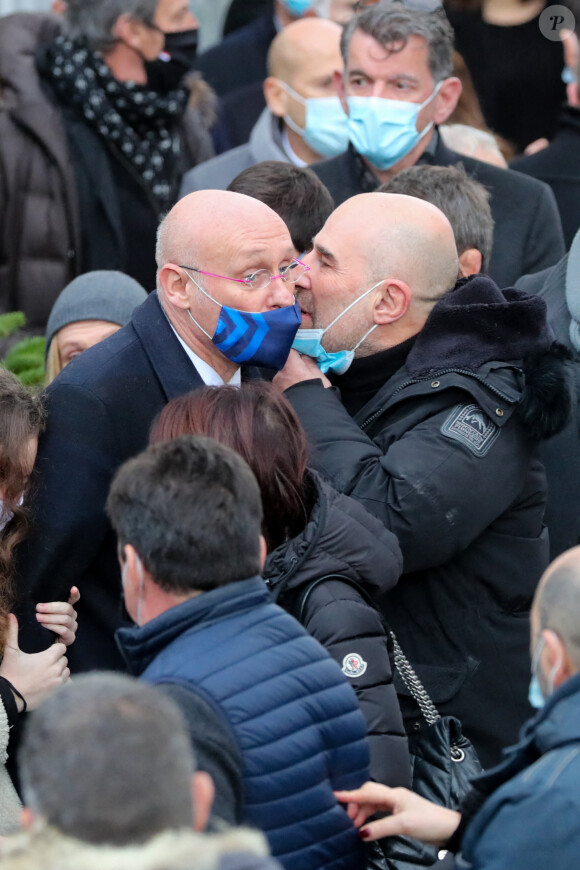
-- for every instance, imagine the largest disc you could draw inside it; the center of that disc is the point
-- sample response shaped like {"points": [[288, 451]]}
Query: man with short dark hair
{"points": [[293, 192], [397, 87], [463, 201], [188, 517], [96, 133], [109, 775]]}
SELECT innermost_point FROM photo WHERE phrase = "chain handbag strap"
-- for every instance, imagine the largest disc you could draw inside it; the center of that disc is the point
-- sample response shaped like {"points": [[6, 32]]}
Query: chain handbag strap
{"points": [[414, 684]]}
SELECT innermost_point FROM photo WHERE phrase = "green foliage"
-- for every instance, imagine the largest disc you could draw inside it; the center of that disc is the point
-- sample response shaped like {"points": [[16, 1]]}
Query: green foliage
{"points": [[10, 322], [26, 357]]}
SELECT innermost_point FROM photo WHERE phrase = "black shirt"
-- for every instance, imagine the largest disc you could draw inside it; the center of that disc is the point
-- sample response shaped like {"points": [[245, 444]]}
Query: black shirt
{"points": [[517, 74], [360, 383]]}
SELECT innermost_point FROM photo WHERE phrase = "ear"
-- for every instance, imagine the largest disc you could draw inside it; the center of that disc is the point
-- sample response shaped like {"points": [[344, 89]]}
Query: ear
{"points": [[470, 263], [338, 77], [202, 795], [263, 551], [556, 660], [447, 99], [174, 283], [26, 818], [393, 301], [128, 30], [276, 97]]}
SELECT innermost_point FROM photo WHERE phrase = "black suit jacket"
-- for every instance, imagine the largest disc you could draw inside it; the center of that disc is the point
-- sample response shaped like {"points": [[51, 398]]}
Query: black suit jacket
{"points": [[528, 233], [559, 166], [100, 410], [240, 58]]}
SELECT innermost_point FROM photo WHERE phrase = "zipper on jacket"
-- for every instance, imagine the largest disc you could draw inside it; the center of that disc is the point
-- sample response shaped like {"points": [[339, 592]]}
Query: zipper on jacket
{"points": [[433, 375]]}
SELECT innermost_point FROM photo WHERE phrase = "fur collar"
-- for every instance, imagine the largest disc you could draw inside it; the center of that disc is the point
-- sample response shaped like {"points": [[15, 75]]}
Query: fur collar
{"points": [[47, 849], [477, 323]]}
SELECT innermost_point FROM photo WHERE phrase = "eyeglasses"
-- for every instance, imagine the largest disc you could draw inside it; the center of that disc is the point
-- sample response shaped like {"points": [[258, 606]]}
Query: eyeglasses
{"points": [[260, 279]]}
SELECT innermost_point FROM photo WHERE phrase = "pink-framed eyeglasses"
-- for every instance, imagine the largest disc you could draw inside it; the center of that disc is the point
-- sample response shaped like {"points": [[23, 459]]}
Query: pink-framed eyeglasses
{"points": [[260, 279]]}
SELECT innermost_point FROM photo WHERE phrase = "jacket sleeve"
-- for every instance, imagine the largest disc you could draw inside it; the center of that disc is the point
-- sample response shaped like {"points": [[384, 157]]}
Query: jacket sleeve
{"points": [[76, 461], [353, 633], [425, 487]]}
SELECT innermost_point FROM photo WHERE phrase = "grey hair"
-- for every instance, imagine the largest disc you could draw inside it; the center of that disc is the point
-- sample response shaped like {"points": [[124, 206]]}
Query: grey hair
{"points": [[393, 24], [463, 201], [107, 759], [94, 20]]}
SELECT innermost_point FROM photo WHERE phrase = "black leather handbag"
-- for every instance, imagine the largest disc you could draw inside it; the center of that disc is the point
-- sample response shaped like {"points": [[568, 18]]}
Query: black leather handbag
{"points": [[443, 763]]}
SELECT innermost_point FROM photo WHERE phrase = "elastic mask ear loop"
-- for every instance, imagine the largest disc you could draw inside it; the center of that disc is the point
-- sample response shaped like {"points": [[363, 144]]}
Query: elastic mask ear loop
{"points": [[348, 307], [140, 589], [552, 674], [292, 124], [426, 103], [205, 293]]}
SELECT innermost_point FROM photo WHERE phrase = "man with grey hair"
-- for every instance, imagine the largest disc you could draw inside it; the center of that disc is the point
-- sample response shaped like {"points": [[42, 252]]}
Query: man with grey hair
{"points": [[224, 308], [523, 814], [397, 87], [463, 201], [442, 394], [108, 773], [97, 126]]}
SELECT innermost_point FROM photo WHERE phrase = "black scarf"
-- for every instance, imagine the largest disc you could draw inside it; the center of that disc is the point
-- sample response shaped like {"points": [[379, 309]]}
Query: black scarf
{"points": [[135, 121]]}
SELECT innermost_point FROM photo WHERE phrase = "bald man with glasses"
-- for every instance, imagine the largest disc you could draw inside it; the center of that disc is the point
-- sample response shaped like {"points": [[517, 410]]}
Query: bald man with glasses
{"points": [[224, 310]]}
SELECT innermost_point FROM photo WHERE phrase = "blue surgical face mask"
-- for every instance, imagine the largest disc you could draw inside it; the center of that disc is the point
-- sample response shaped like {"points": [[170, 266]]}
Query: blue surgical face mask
{"points": [[384, 131], [246, 337], [326, 130], [309, 343], [297, 7]]}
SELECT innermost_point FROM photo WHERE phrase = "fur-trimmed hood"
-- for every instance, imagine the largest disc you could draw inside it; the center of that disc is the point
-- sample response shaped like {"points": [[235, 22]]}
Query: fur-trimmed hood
{"points": [[45, 848], [499, 336]]}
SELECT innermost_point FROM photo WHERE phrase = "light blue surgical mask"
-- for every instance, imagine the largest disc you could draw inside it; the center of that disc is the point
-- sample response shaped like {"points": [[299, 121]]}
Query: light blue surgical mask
{"points": [[309, 342], [326, 130], [297, 7], [384, 131]]}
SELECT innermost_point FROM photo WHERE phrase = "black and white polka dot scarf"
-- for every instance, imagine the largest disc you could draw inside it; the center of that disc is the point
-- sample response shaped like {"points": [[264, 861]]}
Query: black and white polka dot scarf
{"points": [[137, 122]]}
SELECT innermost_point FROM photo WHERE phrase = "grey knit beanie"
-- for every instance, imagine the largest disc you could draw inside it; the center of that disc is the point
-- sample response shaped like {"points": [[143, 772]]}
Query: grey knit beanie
{"points": [[102, 295]]}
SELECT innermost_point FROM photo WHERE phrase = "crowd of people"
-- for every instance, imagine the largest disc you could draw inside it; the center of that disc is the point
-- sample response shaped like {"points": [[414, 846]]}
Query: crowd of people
{"points": [[302, 487]]}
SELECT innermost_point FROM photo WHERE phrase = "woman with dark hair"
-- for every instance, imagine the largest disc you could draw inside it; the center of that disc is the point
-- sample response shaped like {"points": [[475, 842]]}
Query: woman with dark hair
{"points": [[25, 680], [327, 557]]}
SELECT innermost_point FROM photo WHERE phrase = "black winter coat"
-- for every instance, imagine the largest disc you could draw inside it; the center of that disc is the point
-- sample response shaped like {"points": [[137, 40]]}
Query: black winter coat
{"points": [[528, 232], [68, 203], [444, 455], [341, 538]]}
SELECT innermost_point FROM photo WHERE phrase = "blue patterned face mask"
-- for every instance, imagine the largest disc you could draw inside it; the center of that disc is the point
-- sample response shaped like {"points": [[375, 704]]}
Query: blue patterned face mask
{"points": [[246, 337], [309, 343], [384, 131]]}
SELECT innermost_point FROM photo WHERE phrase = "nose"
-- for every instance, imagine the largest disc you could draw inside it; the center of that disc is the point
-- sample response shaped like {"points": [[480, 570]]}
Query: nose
{"points": [[281, 293]]}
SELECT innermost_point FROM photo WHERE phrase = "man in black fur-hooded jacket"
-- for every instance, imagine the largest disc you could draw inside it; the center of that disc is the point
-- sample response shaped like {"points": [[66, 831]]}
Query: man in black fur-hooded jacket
{"points": [[433, 427]]}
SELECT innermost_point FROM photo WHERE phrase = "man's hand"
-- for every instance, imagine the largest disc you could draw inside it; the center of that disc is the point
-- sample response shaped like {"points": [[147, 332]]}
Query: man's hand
{"points": [[299, 368], [60, 617], [35, 675], [410, 815]]}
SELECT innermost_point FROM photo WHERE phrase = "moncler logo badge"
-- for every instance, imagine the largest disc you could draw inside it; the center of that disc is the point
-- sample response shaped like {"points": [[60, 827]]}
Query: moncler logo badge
{"points": [[353, 665]]}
